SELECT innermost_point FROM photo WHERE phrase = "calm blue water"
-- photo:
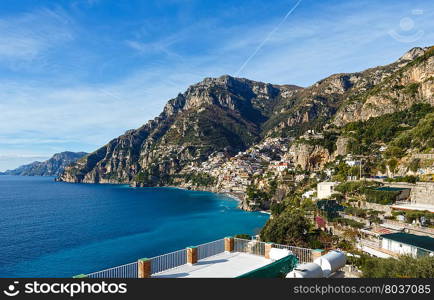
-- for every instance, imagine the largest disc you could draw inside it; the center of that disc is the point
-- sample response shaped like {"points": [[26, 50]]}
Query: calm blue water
{"points": [[50, 229]]}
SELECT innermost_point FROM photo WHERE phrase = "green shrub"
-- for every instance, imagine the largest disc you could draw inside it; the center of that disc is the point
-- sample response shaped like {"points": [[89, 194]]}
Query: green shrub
{"points": [[412, 89], [355, 211], [414, 165], [289, 228], [404, 267], [277, 208], [201, 179], [256, 195], [381, 197], [355, 187], [349, 222], [367, 134], [409, 179], [394, 151], [244, 236]]}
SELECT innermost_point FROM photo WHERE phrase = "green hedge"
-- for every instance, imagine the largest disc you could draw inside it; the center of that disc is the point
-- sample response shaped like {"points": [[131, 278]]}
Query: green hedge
{"points": [[381, 197], [349, 222]]}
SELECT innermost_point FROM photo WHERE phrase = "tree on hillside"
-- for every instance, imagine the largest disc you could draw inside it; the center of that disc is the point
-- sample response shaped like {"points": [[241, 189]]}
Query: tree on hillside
{"points": [[291, 227], [393, 164], [404, 267], [414, 165]]}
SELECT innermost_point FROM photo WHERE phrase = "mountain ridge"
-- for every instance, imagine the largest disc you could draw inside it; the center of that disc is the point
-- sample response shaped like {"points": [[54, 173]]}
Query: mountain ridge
{"points": [[51, 167], [229, 115]]}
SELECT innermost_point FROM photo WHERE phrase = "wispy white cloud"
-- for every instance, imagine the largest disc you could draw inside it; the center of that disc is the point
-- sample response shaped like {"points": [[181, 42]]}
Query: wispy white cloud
{"points": [[27, 37], [160, 47]]}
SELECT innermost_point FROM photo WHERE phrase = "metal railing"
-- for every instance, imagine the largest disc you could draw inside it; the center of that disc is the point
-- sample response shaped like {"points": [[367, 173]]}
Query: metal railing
{"points": [[168, 261], [249, 246], [178, 258], [304, 255], [125, 271], [210, 249]]}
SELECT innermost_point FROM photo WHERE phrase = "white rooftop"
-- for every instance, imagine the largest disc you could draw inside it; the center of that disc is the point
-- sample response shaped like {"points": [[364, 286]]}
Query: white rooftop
{"points": [[374, 252], [328, 183], [222, 265]]}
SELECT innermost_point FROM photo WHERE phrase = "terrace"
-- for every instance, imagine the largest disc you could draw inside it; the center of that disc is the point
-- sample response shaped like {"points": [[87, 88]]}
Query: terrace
{"points": [[222, 265], [224, 258]]}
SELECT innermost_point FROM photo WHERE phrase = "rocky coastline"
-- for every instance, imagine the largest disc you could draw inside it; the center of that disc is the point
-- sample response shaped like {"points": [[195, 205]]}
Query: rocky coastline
{"points": [[239, 197]]}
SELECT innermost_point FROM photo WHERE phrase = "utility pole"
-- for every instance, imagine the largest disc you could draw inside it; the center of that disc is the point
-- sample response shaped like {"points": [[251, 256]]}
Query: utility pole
{"points": [[360, 168]]}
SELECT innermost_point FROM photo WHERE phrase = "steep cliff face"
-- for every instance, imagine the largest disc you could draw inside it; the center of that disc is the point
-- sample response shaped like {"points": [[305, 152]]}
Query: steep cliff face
{"points": [[217, 114], [52, 167], [314, 106], [341, 147], [411, 81], [309, 157]]}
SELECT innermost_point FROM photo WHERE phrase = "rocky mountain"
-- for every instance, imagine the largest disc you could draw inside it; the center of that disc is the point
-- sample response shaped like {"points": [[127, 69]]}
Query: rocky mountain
{"points": [[218, 114], [230, 115], [407, 82], [52, 167]]}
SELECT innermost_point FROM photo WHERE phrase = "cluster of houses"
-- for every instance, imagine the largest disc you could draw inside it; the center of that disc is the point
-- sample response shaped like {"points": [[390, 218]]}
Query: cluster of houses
{"points": [[236, 173], [390, 238]]}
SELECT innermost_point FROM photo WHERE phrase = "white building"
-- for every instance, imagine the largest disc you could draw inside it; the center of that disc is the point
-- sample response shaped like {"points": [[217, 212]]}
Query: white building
{"points": [[353, 163], [282, 166], [407, 244], [329, 172], [325, 189], [308, 194]]}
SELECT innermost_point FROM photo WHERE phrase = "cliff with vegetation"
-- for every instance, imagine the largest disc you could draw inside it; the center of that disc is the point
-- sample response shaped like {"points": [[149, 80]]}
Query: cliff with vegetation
{"points": [[230, 118]]}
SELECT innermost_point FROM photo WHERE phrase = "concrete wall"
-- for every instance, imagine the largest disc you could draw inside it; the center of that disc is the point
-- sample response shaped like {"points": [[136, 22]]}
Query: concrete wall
{"points": [[423, 156], [384, 208]]}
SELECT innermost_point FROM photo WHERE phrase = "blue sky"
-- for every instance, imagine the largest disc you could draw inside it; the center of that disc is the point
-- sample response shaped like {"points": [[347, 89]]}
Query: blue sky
{"points": [[75, 74]]}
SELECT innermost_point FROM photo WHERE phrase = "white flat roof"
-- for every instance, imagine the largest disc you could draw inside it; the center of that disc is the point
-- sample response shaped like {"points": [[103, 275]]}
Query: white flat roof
{"points": [[374, 252], [393, 227], [414, 207], [328, 183], [222, 265]]}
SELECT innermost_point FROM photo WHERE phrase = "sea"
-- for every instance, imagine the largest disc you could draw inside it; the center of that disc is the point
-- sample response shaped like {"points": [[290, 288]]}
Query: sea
{"points": [[55, 229]]}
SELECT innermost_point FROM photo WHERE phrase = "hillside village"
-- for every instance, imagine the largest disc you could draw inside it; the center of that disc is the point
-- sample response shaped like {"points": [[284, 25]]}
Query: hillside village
{"points": [[379, 209]]}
